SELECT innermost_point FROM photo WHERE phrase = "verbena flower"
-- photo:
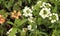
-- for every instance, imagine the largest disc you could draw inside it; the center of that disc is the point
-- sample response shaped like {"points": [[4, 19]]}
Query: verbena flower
{"points": [[15, 14], [53, 17], [2, 19], [44, 13], [27, 12]]}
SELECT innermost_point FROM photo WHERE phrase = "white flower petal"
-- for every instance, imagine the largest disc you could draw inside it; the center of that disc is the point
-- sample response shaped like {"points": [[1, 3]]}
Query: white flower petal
{"points": [[29, 27], [52, 21], [25, 13], [56, 17], [42, 13]]}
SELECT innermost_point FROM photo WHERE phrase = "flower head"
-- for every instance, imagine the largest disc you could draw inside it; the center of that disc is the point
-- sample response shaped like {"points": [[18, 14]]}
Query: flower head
{"points": [[15, 14], [53, 17], [39, 3], [29, 27], [44, 13], [45, 5], [27, 12], [2, 19]]}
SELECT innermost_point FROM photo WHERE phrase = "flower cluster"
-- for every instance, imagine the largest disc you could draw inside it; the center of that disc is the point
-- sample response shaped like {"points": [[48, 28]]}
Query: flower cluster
{"points": [[15, 14], [46, 12], [2, 19], [27, 12], [53, 17]]}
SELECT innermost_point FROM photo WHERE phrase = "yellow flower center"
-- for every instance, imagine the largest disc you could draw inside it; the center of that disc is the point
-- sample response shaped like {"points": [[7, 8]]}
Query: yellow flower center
{"points": [[27, 11], [45, 12], [53, 17]]}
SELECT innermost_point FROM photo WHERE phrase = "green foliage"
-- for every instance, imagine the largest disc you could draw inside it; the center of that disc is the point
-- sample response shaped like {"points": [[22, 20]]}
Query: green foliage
{"points": [[14, 30], [7, 6]]}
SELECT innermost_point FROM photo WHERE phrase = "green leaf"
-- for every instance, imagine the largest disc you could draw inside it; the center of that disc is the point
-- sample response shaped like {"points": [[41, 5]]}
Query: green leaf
{"points": [[23, 33], [19, 22], [39, 20], [13, 32], [9, 22], [1, 1], [8, 4], [16, 6], [29, 1], [20, 2], [3, 13], [56, 32]]}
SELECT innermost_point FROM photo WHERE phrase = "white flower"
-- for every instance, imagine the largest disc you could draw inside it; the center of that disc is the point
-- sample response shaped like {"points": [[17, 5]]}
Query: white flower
{"points": [[53, 17], [32, 7], [31, 19], [29, 27], [44, 13], [39, 2], [27, 12], [24, 29], [43, 5], [48, 4], [9, 31]]}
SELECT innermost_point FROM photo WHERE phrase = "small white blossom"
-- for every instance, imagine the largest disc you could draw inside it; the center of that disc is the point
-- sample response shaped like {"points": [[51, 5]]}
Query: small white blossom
{"points": [[24, 29], [39, 2], [9, 31], [29, 27], [43, 5], [31, 19], [44, 13], [32, 7], [27, 12], [48, 4], [53, 17]]}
